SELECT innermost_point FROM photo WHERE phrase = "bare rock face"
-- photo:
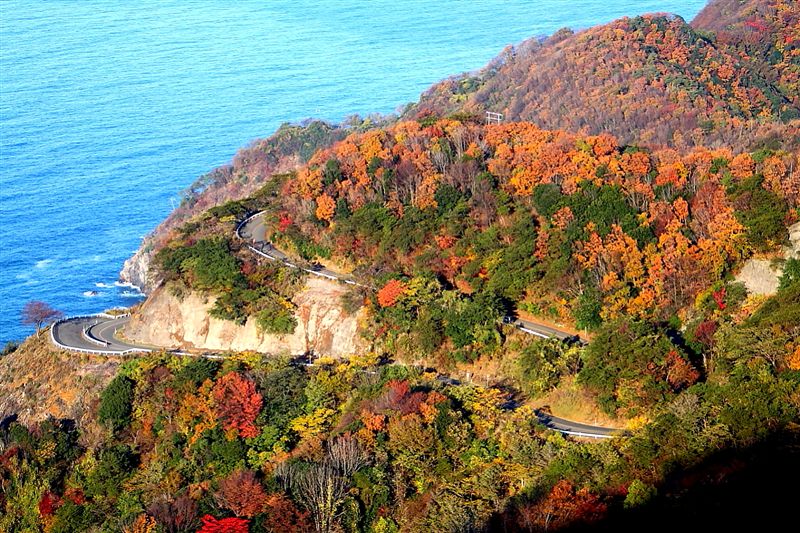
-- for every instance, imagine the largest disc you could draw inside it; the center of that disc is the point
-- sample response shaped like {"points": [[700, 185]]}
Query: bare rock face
{"points": [[136, 270], [761, 276], [322, 325]]}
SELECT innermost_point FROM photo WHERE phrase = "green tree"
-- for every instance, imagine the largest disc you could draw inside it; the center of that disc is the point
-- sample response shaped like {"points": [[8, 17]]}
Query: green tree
{"points": [[116, 403]]}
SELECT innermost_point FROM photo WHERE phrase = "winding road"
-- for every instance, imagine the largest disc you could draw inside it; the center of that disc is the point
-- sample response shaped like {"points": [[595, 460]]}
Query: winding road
{"points": [[98, 333]]}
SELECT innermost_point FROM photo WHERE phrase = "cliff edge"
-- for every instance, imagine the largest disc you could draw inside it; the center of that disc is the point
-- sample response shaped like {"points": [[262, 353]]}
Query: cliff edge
{"points": [[323, 326]]}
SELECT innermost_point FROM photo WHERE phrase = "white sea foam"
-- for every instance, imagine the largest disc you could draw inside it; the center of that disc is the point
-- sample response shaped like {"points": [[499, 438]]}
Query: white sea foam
{"points": [[103, 285], [43, 263], [131, 294]]}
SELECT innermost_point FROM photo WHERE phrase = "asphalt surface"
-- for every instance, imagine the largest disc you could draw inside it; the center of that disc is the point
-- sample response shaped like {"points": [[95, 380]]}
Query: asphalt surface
{"points": [[98, 334], [76, 334]]}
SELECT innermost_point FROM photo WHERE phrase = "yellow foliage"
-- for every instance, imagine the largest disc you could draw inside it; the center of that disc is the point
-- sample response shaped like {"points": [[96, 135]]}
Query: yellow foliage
{"points": [[313, 425]]}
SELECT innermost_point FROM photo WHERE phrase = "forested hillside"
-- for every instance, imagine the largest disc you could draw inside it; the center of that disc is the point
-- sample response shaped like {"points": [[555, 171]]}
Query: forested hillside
{"points": [[657, 158], [728, 80], [731, 78]]}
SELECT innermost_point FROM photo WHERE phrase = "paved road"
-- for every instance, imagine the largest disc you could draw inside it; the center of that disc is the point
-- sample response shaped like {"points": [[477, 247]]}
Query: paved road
{"points": [[98, 334], [93, 334], [569, 427], [254, 230]]}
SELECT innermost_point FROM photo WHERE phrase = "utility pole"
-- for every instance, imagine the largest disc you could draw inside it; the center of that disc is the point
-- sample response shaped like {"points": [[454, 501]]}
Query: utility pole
{"points": [[493, 118]]}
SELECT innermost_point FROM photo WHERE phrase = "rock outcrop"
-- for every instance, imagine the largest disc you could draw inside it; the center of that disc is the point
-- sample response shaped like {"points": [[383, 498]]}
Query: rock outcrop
{"points": [[761, 276], [323, 326]]}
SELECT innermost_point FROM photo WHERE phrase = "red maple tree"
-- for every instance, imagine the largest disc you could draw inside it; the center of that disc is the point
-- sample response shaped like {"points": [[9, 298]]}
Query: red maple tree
{"points": [[224, 525], [237, 404]]}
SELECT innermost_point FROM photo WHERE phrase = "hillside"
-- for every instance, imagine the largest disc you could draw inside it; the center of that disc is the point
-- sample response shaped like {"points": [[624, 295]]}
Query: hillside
{"points": [[286, 149], [255, 443], [648, 161], [730, 78], [39, 382], [653, 81]]}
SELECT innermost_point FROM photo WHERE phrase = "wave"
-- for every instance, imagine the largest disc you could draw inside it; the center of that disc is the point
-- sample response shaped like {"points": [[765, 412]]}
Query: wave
{"points": [[104, 285], [43, 263], [132, 294], [92, 294]]}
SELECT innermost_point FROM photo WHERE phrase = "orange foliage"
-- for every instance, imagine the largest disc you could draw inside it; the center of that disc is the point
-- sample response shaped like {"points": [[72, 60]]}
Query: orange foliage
{"points": [[284, 517], [680, 373], [242, 494], [389, 294], [325, 207], [563, 507]]}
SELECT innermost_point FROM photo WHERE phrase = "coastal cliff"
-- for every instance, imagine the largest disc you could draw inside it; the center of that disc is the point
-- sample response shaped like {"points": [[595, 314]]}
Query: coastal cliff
{"points": [[323, 327]]}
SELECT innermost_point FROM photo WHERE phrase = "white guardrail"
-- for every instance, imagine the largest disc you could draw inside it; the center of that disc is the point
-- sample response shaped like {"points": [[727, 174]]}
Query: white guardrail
{"points": [[85, 335], [582, 434], [288, 263]]}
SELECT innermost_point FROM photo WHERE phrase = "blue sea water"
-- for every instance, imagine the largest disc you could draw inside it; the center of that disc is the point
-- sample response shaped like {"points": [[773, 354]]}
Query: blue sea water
{"points": [[109, 109]]}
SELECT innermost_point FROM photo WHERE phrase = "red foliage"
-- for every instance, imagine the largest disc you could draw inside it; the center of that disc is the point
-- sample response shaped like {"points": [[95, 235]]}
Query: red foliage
{"points": [[680, 372], [224, 525], [284, 517], [705, 332], [49, 503], [284, 222], [6, 456], [242, 493], [237, 404], [390, 293], [719, 298]]}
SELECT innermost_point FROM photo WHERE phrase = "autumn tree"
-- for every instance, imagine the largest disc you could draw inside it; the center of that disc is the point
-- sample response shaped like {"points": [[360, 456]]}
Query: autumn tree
{"points": [[563, 507], [242, 494], [390, 293], [142, 524], [283, 516], [224, 525], [37, 313], [322, 486], [237, 404], [176, 515], [326, 206]]}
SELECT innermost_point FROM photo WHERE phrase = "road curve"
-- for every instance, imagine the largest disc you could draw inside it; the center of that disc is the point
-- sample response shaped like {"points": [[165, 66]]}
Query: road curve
{"points": [[97, 334], [93, 334], [253, 230]]}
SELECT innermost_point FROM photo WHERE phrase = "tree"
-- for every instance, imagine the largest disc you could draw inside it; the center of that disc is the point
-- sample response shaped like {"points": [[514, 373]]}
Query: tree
{"points": [[563, 507], [115, 403], [237, 403], [326, 206], [284, 517], [37, 313], [178, 515], [224, 525], [390, 293], [322, 486], [241, 493]]}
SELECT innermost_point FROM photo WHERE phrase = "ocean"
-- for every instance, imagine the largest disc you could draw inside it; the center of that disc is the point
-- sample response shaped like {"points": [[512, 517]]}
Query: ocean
{"points": [[109, 109]]}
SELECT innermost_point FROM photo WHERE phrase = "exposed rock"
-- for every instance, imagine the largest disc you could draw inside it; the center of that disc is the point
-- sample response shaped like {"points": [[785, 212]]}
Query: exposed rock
{"points": [[136, 270], [761, 276], [322, 325]]}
